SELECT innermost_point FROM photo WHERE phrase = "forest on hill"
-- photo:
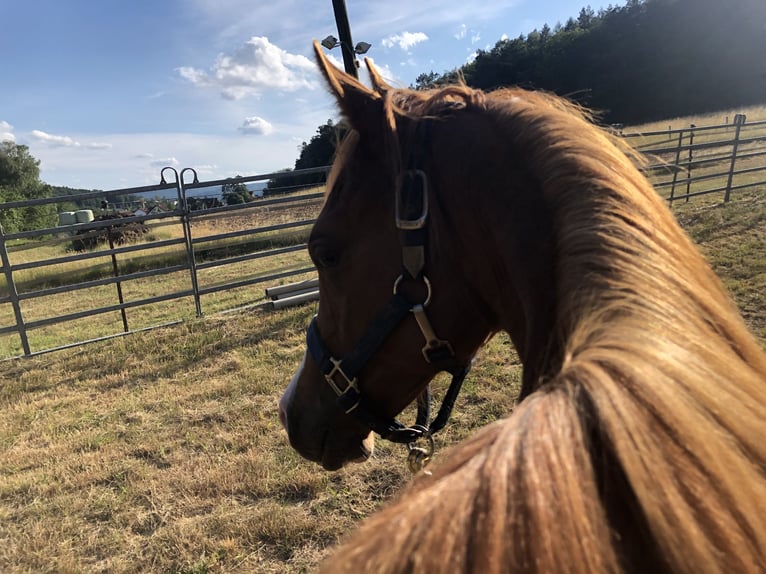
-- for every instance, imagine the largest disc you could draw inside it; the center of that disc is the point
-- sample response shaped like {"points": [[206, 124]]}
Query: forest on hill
{"points": [[646, 60]]}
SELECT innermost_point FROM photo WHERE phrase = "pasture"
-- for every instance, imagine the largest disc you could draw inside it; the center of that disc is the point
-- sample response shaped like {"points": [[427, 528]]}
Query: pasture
{"points": [[156, 264], [162, 451]]}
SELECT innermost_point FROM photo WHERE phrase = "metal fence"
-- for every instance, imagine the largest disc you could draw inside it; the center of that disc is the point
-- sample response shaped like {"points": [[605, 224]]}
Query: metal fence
{"points": [[708, 160], [204, 259], [94, 265]]}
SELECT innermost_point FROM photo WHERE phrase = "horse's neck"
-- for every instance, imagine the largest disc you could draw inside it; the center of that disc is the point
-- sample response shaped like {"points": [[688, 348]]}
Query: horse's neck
{"points": [[588, 268]]}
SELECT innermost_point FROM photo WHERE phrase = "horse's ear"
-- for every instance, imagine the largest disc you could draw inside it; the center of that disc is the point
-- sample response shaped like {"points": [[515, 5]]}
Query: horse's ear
{"points": [[358, 103], [378, 83]]}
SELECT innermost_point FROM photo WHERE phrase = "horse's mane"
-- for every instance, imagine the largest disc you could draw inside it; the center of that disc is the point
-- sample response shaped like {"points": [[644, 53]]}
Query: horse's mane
{"points": [[645, 448]]}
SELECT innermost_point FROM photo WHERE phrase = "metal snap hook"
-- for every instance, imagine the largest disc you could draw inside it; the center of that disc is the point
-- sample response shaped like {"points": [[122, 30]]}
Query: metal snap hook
{"points": [[419, 456]]}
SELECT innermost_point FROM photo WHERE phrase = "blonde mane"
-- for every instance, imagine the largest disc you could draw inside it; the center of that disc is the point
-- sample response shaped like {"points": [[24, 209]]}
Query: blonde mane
{"points": [[643, 449]]}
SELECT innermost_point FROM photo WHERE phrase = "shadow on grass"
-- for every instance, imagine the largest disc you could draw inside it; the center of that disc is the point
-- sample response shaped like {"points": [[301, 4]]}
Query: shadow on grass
{"points": [[147, 357]]}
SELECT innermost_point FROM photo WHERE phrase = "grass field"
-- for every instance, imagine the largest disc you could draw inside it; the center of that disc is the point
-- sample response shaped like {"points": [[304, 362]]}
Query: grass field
{"points": [[162, 452], [706, 168], [155, 258]]}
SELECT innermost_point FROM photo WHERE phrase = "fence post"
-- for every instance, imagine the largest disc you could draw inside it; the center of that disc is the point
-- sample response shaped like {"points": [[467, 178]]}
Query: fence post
{"points": [[689, 162], [13, 294], [739, 121], [186, 222], [118, 284], [677, 167]]}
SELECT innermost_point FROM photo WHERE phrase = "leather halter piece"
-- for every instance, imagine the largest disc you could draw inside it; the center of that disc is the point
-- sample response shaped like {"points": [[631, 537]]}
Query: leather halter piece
{"points": [[411, 210]]}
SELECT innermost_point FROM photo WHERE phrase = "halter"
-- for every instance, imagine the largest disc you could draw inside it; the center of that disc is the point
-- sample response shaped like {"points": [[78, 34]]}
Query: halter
{"points": [[411, 218]]}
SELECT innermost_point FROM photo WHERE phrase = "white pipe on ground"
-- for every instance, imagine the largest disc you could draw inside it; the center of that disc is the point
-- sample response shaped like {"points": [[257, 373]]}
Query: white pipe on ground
{"points": [[295, 300]]}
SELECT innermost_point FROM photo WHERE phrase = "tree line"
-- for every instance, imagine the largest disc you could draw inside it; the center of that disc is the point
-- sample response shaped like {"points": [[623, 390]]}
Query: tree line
{"points": [[647, 60], [644, 61], [19, 181]]}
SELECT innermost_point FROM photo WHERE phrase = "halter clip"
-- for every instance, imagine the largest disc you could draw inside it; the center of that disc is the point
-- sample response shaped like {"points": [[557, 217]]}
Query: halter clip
{"points": [[419, 456]]}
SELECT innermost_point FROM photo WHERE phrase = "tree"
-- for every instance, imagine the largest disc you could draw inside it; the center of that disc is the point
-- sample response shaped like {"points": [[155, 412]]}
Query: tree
{"points": [[426, 81], [321, 148], [318, 152], [20, 180], [235, 193], [646, 60]]}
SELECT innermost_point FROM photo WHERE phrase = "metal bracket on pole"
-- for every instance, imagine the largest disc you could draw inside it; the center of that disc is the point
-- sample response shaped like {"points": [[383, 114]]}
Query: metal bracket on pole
{"points": [[344, 31]]}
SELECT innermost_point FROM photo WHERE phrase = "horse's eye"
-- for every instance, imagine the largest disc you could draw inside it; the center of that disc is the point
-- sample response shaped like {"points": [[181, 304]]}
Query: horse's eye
{"points": [[323, 255]]}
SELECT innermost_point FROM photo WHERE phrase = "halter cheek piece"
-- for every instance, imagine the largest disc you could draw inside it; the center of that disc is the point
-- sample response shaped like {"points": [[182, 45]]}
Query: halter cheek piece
{"points": [[411, 209]]}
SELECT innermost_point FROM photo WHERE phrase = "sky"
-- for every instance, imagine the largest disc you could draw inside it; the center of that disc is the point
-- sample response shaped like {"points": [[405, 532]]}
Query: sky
{"points": [[107, 92]]}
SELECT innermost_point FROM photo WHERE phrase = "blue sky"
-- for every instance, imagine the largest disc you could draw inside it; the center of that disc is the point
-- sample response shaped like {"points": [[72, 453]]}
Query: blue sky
{"points": [[106, 92]]}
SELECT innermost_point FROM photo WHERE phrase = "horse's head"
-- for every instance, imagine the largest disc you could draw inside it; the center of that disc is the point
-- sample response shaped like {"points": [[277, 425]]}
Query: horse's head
{"points": [[390, 315]]}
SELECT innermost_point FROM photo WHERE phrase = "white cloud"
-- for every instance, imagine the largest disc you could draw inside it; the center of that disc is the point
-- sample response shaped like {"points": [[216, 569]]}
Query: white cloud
{"points": [[471, 57], [405, 40], [53, 140], [256, 125], [255, 66], [463, 32], [163, 162], [335, 61], [205, 169], [504, 37], [6, 132]]}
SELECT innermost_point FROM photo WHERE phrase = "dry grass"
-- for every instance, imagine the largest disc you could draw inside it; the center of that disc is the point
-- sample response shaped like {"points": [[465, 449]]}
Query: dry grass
{"points": [[753, 113], [216, 249], [683, 168], [162, 452]]}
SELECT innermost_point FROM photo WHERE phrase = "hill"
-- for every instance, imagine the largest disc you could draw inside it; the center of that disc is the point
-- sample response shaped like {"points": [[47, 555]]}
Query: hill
{"points": [[647, 60]]}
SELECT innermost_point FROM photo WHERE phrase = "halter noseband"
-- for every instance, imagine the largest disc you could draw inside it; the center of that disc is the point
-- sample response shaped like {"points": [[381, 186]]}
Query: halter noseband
{"points": [[411, 217]]}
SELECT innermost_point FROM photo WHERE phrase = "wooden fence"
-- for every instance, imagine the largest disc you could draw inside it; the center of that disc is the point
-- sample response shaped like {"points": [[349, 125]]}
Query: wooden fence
{"points": [[217, 258]]}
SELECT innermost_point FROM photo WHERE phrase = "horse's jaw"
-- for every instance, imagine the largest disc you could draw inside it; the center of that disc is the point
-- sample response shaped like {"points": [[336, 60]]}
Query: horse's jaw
{"points": [[313, 435]]}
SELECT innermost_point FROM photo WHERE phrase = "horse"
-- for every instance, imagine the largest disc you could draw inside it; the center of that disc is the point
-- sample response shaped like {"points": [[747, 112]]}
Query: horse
{"points": [[637, 444]]}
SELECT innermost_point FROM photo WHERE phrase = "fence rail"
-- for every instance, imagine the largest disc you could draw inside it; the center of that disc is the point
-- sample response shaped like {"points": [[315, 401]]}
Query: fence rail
{"points": [[31, 295], [206, 258], [705, 160]]}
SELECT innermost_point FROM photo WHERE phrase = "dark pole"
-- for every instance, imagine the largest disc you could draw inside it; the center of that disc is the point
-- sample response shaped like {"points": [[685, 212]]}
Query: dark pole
{"points": [[344, 31]]}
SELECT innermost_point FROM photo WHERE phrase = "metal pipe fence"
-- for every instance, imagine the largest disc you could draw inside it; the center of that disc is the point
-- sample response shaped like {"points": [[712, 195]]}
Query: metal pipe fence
{"points": [[39, 269], [706, 160], [206, 258]]}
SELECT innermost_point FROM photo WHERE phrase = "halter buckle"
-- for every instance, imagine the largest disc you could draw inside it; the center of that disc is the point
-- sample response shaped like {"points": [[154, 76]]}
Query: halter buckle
{"points": [[403, 201], [337, 369]]}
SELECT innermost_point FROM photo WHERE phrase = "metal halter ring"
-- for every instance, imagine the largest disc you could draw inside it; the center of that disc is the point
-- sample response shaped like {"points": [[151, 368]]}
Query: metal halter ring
{"points": [[425, 281]]}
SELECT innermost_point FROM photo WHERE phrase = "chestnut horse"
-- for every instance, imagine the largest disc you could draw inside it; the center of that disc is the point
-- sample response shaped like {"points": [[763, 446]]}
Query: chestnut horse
{"points": [[639, 444]]}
